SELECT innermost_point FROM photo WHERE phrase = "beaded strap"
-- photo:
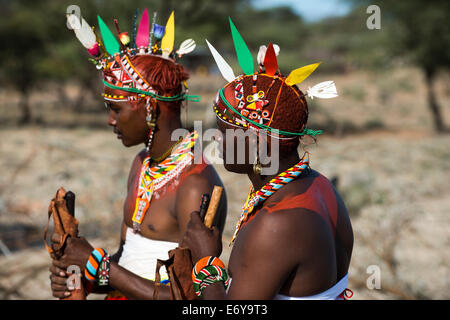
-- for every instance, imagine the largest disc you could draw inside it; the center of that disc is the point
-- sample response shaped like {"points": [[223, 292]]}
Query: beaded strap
{"points": [[207, 271], [93, 263]]}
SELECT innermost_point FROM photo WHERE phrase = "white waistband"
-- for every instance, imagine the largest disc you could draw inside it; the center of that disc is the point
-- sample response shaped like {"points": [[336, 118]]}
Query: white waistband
{"points": [[330, 294]]}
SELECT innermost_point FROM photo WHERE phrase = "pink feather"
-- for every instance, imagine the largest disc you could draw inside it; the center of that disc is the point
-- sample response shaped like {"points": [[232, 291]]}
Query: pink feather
{"points": [[142, 36]]}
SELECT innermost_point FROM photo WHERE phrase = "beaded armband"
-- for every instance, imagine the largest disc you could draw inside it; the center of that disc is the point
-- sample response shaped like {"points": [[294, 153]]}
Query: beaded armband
{"points": [[93, 263], [209, 270], [103, 271]]}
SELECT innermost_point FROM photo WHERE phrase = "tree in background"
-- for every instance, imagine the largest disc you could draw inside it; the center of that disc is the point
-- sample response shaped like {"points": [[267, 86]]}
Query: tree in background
{"points": [[38, 49], [23, 36], [420, 31]]}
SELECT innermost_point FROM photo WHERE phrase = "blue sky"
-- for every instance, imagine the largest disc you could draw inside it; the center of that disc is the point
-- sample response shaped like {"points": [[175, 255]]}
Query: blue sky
{"points": [[310, 10]]}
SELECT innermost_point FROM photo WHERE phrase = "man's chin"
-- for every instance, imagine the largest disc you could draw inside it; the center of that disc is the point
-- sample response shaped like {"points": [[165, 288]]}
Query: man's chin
{"points": [[126, 142], [236, 168]]}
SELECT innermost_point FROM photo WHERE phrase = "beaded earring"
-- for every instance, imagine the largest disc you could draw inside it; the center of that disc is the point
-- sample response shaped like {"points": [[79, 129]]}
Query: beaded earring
{"points": [[151, 123]]}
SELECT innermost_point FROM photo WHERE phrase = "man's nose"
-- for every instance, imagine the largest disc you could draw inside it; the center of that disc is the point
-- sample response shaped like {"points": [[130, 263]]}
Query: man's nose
{"points": [[112, 119]]}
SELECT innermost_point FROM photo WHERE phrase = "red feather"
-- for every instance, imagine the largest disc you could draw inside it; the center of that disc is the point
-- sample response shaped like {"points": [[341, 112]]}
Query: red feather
{"points": [[270, 61]]}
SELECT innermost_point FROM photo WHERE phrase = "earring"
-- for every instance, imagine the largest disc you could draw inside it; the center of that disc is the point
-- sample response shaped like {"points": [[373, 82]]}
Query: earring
{"points": [[257, 167], [151, 123], [184, 103]]}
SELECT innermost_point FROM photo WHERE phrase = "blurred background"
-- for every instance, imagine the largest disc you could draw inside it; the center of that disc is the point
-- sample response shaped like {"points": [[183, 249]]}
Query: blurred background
{"points": [[385, 145]]}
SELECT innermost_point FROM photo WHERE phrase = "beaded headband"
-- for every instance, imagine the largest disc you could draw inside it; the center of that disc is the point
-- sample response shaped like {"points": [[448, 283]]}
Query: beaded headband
{"points": [[251, 111], [114, 56]]}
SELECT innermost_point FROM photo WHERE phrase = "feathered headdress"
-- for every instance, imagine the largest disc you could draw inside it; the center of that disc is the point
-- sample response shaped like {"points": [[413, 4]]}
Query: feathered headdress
{"points": [[114, 54], [253, 111]]}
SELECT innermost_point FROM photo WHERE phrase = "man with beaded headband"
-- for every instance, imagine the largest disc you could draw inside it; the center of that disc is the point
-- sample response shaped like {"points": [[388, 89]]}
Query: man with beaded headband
{"points": [[294, 238], [143, 93]]}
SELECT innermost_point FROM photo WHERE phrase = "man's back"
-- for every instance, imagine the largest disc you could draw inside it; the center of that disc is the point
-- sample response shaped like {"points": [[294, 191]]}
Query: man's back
{"points": [[302, 234]]}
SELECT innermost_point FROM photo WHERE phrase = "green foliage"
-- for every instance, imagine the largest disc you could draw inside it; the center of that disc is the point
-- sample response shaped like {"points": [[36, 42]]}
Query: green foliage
{"points": [[420, 32], [415, 29]]}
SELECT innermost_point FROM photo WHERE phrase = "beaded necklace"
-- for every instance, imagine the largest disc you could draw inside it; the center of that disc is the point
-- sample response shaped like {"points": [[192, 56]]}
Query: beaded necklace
{"points": [[154, 178], [169, 151], [256, 198]]}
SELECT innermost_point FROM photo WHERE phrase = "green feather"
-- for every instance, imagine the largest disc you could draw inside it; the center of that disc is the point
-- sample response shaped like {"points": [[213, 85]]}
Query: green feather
{"points": [[244, 56], [111, 44]]}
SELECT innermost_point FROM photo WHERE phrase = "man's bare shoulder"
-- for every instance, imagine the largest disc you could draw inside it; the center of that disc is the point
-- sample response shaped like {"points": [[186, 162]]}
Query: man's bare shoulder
{"points": [[201, 180], [197, 177], [286, 219], [200, 174]]}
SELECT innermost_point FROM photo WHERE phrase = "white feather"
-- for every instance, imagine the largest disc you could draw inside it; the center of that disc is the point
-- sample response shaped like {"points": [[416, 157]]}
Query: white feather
{"points": [[262, 53], [186, 47], [73, 21], [323, 90], [82, 31], [277, 49], [224, 67]]}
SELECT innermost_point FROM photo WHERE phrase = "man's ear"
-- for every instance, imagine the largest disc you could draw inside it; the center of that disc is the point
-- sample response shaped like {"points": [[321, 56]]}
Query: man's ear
{"points": [[138, 105]]}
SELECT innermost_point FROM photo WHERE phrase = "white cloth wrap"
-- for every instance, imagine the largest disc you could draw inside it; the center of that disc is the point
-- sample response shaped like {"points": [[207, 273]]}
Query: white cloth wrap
{"points": [[139, 255]]}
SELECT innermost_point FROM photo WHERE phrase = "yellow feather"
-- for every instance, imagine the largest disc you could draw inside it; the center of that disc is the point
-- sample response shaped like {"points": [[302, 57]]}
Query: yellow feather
{"points": [[300, 74], [169, 36]]}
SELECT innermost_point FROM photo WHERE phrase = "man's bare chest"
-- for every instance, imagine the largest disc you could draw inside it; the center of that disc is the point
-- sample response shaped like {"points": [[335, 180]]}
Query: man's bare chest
{"points": [[159, 220]]}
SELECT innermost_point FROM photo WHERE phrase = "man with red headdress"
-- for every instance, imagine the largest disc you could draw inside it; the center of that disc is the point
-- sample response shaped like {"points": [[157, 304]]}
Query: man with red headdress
{"points": [[143, 93], [294, 238]]}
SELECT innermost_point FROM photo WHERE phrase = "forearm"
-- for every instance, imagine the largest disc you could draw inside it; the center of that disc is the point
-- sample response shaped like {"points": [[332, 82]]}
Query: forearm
{"points": [[133, 286]]}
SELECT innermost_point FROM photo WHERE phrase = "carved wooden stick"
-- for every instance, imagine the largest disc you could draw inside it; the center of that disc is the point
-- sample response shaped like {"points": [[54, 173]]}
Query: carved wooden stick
{"points": [[213, 205]]}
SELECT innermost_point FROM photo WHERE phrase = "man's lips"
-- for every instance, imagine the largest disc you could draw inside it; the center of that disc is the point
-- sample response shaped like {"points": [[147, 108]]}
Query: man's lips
{"points": [[119, 134]]}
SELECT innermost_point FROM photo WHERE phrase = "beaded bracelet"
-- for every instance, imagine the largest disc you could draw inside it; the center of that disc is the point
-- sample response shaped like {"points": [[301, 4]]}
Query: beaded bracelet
{"points": [[93, 263], [207, 271], [103, 271]]}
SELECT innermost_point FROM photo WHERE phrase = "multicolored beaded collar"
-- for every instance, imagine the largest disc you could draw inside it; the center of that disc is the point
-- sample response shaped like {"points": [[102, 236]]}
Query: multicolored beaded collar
{"points": [[152, 179], [255, 199]]}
